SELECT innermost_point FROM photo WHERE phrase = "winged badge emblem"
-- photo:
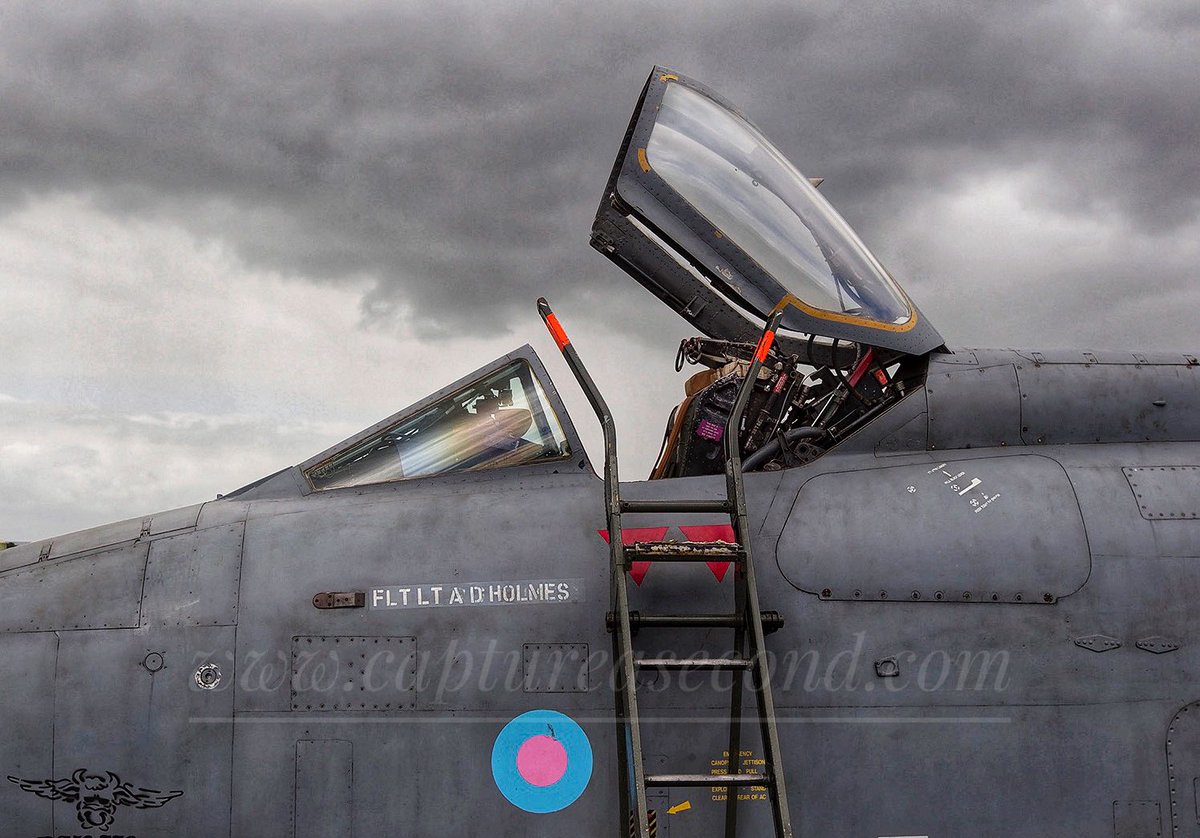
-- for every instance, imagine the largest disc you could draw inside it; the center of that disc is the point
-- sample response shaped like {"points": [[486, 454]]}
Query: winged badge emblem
{"points": [[96, 795]]}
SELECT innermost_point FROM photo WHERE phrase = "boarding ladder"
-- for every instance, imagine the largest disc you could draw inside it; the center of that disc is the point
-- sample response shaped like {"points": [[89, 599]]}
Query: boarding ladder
{"points": [[746, 620]]}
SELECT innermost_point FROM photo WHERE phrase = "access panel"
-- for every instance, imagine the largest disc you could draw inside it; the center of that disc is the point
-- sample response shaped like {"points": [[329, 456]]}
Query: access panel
{"points": [[992, 529]]}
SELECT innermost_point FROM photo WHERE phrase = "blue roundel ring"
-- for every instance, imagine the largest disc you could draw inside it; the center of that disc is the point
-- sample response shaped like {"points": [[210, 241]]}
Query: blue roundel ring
{"points": [[558, 795]]}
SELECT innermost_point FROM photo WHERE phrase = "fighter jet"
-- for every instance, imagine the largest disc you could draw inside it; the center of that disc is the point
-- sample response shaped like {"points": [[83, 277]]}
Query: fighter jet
{"points": [[874, 586]]}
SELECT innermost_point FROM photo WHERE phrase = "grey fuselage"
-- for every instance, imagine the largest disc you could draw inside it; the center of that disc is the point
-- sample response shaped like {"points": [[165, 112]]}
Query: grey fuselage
{"points": [[990, 601]]}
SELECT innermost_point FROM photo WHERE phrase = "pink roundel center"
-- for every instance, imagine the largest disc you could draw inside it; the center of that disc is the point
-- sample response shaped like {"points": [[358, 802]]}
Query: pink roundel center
{"points": [[541, 761]]}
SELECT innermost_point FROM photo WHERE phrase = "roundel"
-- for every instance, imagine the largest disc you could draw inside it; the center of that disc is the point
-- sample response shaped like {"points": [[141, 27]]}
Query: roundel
{"points": [[542, 761]]}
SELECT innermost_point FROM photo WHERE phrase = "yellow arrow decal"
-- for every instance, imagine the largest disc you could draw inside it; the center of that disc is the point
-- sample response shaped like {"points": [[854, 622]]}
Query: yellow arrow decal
{"points": [[682, 807]]}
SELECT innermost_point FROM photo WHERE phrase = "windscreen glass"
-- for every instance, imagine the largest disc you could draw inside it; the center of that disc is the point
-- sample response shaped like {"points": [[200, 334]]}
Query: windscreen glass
{"points": [[501, 420], [732, 175]]}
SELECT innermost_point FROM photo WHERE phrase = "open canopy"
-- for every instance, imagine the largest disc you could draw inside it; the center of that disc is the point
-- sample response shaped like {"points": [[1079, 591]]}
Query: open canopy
{"points": [[705, 212]]}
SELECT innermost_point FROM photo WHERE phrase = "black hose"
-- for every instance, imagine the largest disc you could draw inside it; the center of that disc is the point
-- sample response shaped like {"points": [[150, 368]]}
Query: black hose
{"points": [[771, 447], [842, 376], [666, 437]]}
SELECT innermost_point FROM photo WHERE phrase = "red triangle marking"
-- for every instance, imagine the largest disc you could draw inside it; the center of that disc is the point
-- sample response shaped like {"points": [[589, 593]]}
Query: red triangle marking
{"points": [[711, 532], [632, 535]]}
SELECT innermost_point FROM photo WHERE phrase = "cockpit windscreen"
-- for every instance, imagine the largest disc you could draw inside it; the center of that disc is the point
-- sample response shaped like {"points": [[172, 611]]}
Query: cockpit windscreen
{"points": [[503, 419]]}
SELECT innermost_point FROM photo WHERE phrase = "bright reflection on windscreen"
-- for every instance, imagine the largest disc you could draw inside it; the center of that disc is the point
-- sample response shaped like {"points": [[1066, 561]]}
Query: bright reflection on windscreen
{"points": [[745, 188], [501, 420]]}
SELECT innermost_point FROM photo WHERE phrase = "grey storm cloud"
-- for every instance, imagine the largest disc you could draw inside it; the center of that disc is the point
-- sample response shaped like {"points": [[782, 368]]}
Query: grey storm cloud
{"points": [[454, 153]]}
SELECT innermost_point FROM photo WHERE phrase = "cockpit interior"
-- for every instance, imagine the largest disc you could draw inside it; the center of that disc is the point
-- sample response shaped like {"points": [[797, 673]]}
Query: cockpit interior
{"points": [[713, 219]]}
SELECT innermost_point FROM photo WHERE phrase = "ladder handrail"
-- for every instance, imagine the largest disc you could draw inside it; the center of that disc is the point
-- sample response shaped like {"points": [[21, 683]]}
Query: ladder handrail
{"points": [[747, 605], [628, 730], [607, 425], [748, 618], [733, 444]]}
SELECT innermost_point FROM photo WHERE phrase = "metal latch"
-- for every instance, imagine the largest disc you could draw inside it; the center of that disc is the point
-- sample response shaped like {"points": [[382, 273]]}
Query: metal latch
{"points": [[603, 242], [340, 599]]}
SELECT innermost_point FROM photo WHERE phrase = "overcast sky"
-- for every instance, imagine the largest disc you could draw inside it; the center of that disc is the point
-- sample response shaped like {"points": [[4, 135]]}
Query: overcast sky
{"points": [[232, 234]]}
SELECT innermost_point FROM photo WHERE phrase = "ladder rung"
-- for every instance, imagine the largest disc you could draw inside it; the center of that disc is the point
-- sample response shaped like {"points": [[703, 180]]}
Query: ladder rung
{"points": [[637, 620], [676, 506], [771, 621], [685, 551], [722, 664], [707, 780]]}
